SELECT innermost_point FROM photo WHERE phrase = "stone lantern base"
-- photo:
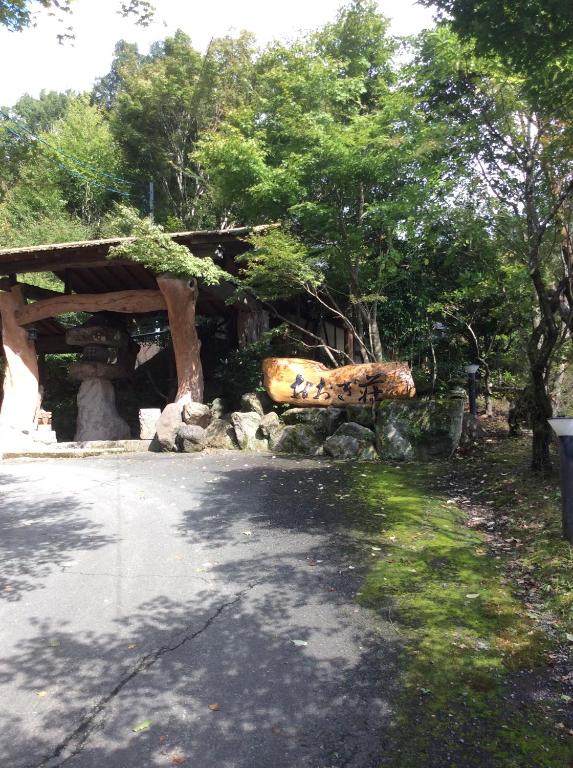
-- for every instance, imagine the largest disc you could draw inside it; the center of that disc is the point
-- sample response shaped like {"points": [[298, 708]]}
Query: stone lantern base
{"points": [[98, 418]]}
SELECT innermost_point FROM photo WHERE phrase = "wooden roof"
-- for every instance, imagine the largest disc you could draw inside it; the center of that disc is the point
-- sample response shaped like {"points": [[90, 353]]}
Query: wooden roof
{"points": [[83, 267], [90, 254]]}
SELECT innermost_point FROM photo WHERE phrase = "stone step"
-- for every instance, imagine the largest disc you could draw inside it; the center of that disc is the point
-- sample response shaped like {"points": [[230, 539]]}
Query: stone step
{"points": [[78, 450]]}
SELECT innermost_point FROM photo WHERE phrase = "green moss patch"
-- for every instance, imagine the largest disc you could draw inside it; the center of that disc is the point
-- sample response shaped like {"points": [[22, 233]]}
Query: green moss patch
{"points": [[464, 633]]}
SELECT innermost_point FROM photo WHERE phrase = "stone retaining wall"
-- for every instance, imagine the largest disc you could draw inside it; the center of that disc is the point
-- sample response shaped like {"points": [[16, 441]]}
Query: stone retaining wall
{"points": [[395, 430]]}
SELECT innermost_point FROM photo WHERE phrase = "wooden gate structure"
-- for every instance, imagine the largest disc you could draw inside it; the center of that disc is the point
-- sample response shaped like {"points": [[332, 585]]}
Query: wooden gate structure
{"points": [[94, 283]]}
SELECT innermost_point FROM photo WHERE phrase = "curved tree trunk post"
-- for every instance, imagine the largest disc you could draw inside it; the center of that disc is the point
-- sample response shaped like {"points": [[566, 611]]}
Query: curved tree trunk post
{"points": [[181, 298], [21, 379]]}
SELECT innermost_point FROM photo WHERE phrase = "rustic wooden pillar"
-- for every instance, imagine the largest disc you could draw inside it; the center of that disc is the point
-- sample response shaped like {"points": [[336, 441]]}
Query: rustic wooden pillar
{"points": [[181, 299], [21, 391]]}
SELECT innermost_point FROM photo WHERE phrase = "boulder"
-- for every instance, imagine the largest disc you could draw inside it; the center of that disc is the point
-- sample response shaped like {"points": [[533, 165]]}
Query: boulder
{"points": [[218, 408], [220, 434], [168, 425], [361, 414], [98, 418], [191, 438], [247, 431], [352, 441], [297, 438], [252, 402], [197, 414], [348, 447], [271, 426], [351, 429], [148, 418], [419, 429], [324, 421]]}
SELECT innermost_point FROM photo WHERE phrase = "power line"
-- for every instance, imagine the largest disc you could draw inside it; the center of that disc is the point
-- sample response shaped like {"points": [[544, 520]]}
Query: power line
{"points": [[59, 151], [73, 171]]}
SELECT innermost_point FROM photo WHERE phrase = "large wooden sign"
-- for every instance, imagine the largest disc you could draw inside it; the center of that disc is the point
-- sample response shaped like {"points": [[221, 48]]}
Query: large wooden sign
{"points": [[307, 383]]}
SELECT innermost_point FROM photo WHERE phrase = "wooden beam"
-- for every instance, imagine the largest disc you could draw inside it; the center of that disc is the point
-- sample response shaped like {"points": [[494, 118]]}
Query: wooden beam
{"points": [[55, 263], [21, 388], [181, 299], [29, 291], [131, 302], [54, 345]]}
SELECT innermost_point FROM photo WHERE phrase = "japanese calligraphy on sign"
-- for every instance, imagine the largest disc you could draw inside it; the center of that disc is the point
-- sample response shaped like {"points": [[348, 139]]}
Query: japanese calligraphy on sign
{"points": [[308, 383]]}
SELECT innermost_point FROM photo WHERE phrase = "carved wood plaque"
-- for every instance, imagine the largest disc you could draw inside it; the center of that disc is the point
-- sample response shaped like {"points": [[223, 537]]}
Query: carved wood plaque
{"points": [[308, 383]]}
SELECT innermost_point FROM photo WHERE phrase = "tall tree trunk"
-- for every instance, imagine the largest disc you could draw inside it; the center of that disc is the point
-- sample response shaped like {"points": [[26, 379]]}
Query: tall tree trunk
{"points": [[540, 412], [375, 341], [540, 349], [181, 299]]}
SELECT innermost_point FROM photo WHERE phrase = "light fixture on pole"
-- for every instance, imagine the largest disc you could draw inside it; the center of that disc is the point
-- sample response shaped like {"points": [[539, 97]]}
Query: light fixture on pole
{"points": [[471, 371], [563, 428]]}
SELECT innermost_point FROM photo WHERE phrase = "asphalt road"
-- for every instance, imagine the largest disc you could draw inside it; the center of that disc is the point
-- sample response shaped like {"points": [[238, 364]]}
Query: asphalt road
{"points": [[137, 591]]}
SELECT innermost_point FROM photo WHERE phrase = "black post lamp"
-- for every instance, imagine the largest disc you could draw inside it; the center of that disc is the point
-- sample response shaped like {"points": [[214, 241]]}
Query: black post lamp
{"points": [[563, 428], [471, 371]]}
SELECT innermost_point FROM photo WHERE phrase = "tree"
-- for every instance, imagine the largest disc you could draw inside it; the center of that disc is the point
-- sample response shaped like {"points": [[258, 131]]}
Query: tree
{"points": [[524, 158], [19, 127], [16, 15], [66, 181], [534, 38], [319, 145], [87, 160], [161, 105]]}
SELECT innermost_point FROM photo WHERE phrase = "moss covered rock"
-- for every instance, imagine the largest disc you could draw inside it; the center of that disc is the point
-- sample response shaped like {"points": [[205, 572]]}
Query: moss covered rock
{"points": [[298, 438], [419, 429], [323, 421]]}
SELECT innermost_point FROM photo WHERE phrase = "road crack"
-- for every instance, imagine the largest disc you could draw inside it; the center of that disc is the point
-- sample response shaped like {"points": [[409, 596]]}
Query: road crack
{"points": [[75, 741]]}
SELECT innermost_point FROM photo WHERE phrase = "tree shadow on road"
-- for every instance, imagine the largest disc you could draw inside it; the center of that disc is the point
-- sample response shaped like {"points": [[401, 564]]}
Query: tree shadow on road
{"points": [[38, 533], [302, 676]]}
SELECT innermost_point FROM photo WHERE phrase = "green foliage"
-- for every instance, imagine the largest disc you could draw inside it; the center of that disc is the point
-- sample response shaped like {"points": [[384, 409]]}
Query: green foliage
{"points": [[161, 105], [153, 248], [242, 370], [279, 266], [84, 159], [60, 394], [64, 178], [533, 38], [35, 213], [399, 185]]}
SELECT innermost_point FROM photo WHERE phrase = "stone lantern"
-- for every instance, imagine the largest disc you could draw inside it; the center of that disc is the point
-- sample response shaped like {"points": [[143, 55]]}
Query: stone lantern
{"points": [[105, 357]]}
